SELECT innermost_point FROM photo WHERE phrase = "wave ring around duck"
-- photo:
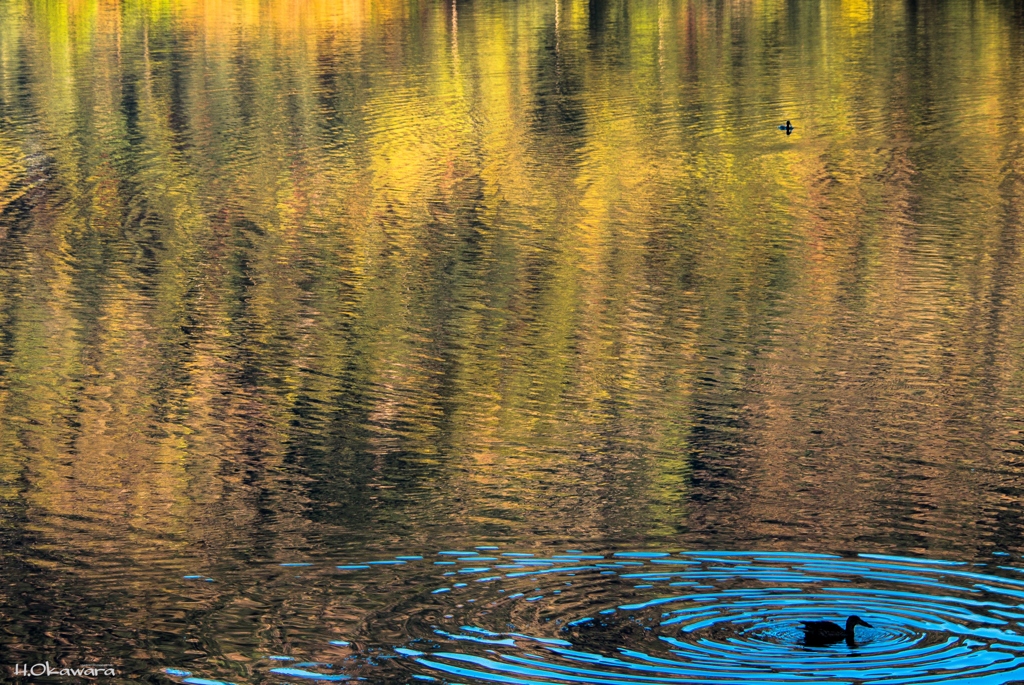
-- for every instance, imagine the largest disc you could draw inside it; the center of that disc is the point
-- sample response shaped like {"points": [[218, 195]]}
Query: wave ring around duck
{"points": [[738, 621]]}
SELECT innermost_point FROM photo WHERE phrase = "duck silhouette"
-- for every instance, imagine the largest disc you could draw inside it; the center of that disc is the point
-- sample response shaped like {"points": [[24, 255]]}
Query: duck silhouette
{"points": [[820, 633], [788, 128]]}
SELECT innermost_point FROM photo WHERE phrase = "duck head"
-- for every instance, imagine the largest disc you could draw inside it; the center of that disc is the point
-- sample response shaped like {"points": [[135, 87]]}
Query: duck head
{"points": [[855, 621]]}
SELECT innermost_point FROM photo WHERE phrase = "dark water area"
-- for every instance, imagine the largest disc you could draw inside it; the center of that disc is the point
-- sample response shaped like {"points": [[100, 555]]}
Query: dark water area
{"points": [[318, 316]]}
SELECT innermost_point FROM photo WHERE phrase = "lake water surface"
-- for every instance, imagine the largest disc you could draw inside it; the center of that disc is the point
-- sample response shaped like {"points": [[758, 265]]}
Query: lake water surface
{"points": [[318, 318]]}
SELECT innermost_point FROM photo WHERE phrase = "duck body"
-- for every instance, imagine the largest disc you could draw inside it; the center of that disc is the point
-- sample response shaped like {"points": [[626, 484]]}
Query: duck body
{"points": [[788, 128], [820, 633]]}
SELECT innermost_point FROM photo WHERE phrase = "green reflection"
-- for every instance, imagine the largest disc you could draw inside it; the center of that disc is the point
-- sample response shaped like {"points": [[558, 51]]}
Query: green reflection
{"points": [[280, 273]]}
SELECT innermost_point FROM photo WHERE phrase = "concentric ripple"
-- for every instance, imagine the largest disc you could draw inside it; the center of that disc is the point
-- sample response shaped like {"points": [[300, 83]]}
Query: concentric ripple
{"points": [[698, 617], [736, 618]]}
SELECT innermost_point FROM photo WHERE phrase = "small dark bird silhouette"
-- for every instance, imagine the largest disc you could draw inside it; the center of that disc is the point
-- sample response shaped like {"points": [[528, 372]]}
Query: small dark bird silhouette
{"points": [[821, 633], [788, 128]]}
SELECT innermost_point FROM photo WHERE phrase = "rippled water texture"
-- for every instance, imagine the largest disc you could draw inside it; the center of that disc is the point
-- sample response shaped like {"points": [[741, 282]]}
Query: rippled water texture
{"points": [[696, 617], [328, 281]]}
